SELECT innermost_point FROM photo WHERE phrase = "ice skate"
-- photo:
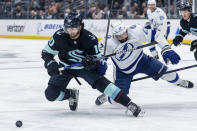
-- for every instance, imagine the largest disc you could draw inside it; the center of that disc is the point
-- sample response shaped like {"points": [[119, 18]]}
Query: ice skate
{"points": [[185, 84], [101, 99], [73, 100], [133, 109]]}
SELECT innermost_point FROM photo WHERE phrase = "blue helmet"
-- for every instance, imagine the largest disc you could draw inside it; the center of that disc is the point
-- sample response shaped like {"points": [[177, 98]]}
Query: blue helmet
{"points": [[73, 20], [184, 5]]}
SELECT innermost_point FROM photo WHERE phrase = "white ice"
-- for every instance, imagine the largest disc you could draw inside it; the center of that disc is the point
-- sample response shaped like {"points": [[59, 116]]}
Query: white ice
{"points": [[23, 81]]}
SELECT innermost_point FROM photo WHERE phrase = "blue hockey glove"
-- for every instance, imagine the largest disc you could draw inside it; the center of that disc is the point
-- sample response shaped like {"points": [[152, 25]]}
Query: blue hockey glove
{"points": [[177, 40], [102, 67], [193, 45], [169, 54], [52, 67]]}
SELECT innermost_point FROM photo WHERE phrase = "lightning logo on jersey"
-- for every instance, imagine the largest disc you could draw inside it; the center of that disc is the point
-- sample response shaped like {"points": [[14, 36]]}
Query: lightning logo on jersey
{"points": [[127, 51]]}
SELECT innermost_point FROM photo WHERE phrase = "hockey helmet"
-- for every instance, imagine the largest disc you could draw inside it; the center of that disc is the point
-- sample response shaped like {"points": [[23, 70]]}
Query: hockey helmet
{"points": [[118, 28], [184, 5], [73, 20], [151, 2]]}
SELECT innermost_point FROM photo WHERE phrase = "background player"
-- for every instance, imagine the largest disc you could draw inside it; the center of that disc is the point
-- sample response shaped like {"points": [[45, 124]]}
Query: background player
{"points": [[156, 18], [188, 24]]}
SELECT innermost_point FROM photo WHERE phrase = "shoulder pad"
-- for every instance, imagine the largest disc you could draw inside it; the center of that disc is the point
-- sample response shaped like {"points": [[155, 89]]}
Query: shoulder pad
{"points": [[59, 32], [89, 37]]}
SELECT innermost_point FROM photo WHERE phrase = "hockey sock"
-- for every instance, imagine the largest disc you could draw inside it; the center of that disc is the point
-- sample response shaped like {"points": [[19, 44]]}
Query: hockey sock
{"points": [[109, 89], [63, 95], [171, 77]]}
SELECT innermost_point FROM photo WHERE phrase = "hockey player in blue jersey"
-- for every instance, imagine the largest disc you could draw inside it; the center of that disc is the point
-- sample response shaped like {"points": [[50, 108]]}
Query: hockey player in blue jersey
{"points": [[130, 63]]}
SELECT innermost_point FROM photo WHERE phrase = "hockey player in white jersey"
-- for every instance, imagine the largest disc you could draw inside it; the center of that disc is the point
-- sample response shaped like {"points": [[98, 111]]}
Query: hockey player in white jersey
{"points": [[156, 18], [130, 63]]}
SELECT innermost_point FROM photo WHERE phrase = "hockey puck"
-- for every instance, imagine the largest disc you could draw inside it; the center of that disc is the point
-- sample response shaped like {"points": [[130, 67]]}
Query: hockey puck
{"points": [[19, 123]]}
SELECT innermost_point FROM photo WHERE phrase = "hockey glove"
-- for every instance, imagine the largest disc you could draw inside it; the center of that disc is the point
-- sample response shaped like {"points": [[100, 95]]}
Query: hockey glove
{"points": [[102, 67], [89, 62], [169, 54], [193, 45], [52, 67], [177, 40]]}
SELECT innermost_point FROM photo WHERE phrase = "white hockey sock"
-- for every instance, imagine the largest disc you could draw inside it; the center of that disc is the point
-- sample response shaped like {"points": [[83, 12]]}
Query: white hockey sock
{"points": [[172, 78]]}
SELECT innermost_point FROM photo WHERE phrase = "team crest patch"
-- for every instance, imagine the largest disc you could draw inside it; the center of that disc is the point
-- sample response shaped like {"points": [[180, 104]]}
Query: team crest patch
{"points": [[124, 52]]}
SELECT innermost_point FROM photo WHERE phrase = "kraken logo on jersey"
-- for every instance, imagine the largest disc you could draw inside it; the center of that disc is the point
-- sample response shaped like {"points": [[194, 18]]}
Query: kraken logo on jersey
{"points": [[75, 54], [126, 50]]}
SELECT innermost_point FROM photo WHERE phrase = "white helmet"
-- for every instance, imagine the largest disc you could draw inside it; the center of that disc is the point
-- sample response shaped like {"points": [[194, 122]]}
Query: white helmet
{"points": [[151, 2], [118, 28]]}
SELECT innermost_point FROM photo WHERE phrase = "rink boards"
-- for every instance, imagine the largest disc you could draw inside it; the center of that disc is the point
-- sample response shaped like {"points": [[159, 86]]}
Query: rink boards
{"points": [[44, 29]]}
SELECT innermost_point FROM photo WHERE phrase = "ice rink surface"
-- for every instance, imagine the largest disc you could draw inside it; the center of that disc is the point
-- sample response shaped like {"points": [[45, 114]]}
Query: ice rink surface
{"points": [[23, 81]]}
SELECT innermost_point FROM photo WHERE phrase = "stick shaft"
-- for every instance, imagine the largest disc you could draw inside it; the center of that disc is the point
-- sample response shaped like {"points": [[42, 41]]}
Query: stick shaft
{"points": [[175, 70], [108, 23], [139, 47]]}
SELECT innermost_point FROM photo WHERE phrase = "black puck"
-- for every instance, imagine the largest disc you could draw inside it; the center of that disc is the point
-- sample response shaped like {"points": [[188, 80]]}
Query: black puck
{"points": [[19, 123]]}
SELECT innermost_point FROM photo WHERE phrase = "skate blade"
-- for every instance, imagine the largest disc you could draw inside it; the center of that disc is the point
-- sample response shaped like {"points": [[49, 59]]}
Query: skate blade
{"points": [[141, 114]]}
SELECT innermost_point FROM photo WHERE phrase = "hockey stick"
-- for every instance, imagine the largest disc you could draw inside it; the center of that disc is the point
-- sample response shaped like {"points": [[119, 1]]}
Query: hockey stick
{"points": [[110, 55], [175, 70], [139, 47], [109, 17]]}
